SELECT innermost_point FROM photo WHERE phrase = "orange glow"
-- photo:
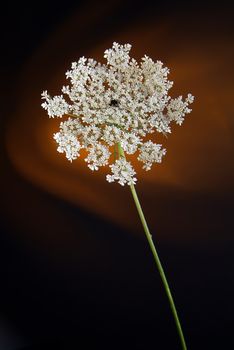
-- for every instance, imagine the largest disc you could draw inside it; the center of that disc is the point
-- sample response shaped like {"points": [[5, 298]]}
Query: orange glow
{"points": [[199, 153]]}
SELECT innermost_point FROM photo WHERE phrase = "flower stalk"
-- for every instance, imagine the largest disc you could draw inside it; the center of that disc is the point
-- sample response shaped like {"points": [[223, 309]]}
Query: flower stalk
{"points": [[156, 258]]}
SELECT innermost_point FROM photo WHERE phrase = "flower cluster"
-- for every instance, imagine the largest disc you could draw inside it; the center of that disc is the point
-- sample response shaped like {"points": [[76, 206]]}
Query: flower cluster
{"points": [[117, 103]]}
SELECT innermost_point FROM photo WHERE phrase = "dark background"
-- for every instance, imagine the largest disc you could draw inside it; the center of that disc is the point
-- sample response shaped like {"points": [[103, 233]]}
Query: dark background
{"points": [[73, 279]]}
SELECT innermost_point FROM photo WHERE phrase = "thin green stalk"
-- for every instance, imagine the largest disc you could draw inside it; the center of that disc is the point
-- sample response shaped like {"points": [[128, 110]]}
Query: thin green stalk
{"points": [[156, 258]]}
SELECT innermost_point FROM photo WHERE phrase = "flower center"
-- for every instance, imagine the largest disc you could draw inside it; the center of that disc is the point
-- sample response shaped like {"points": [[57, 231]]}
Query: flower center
{"points": [[114, 103]]}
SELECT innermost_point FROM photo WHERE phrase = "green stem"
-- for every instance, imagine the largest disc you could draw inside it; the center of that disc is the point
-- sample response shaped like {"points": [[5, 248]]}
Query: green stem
{"points": [[156, 258]]}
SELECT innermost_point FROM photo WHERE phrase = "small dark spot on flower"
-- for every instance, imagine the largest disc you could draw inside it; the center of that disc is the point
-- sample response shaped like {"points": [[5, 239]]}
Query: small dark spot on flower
{"points": [[114, 103]]}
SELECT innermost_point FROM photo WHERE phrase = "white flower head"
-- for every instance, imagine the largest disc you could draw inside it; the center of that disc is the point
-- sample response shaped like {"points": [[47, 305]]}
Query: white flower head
{"points": [[67, 139], [56, 106], [150, 153], [98, 156], [123, 172], [112, 105]]}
